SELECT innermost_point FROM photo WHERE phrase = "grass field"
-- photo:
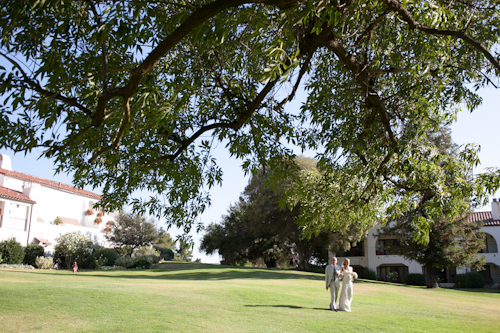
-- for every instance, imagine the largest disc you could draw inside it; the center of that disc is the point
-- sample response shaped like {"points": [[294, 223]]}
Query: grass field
{"points": [[208, 298]]}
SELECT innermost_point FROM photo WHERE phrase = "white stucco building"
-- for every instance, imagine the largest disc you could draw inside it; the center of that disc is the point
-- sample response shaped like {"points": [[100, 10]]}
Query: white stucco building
{"points": [[37, 210], [370, 253]]}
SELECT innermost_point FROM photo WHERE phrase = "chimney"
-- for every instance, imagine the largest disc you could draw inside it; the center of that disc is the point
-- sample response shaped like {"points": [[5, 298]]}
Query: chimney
{"points": [[495, 209], [5, 162]]}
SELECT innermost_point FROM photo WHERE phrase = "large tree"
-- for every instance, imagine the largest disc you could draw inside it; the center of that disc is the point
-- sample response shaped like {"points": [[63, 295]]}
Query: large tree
{"points": [[444, 237], [132, 95], [132, 230], [260, 226]]}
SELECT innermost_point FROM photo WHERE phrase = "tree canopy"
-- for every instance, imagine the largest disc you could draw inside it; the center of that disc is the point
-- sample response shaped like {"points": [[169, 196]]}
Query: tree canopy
{"points": [[133, 95], [446, 238], [132, 230], [260, 226]]}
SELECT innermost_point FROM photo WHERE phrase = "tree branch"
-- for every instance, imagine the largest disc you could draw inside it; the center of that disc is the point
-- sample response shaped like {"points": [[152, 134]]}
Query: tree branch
{"points": [[199, 16], [363, 79], [369, 30], [36, 87], [408, 18]]}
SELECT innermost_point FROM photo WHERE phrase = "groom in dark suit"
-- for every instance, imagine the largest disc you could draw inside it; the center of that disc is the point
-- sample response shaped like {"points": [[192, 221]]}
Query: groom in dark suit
{"points": [[332, 280]]}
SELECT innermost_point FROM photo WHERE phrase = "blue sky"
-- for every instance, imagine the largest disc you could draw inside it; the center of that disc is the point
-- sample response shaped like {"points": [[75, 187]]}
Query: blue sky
{"points": [[482, 127]]}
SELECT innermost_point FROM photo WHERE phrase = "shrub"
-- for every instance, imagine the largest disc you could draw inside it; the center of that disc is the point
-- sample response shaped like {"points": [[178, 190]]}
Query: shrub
{"points": [[33, 251], [149, 257], [125, 261], [12, 252], [368, 274], [22, 266], [124, 251], [393, 277], [461, 281], [316, 268], [143, 263], [44, 262], [469, 280], [415, 280], [73, 246], [476, 280], [111, 268], [110, 254], [146, 250], [165, 253]]}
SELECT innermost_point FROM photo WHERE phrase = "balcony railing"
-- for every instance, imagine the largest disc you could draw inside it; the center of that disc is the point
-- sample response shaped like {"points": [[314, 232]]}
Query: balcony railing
{"points": [[15, 223]]}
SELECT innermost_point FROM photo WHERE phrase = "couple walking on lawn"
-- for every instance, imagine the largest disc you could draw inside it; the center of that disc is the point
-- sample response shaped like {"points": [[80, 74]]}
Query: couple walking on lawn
{"points": [[333, 274]]}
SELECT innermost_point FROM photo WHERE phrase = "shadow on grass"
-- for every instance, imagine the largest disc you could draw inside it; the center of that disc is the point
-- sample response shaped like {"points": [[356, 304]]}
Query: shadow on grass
{"points": [[286, 306], [200, 272]]}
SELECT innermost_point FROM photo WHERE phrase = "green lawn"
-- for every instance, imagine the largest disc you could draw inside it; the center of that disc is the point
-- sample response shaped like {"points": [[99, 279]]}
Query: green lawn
{"points": [[208, 298]]}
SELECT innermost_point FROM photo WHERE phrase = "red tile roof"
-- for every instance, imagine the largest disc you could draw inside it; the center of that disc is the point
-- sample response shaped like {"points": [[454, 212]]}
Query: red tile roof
{"points": [[14, 195], [43, 241], [486, 217], [49, 183]]}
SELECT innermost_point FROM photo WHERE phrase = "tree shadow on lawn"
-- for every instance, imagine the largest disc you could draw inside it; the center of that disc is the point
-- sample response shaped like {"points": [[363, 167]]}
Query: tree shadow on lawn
{"points": [[287, 306], [212, 274], [195, 272]]}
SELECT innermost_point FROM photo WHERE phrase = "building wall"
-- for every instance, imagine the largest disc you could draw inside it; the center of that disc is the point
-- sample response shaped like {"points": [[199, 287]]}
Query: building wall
{"points": [[374, 261], [493, 258], [14, 220], [50, 203]]}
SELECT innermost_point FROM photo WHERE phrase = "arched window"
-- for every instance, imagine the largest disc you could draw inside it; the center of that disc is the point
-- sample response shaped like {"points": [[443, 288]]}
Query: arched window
{"points": [[490, 244]]}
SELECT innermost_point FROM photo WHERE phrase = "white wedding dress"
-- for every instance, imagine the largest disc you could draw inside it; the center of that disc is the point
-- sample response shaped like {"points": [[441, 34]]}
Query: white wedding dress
{"points": [[347, 291]]}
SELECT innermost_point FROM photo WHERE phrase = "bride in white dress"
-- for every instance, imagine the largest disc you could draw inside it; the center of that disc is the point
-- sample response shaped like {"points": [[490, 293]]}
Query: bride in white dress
{"points": [[347, 291]]}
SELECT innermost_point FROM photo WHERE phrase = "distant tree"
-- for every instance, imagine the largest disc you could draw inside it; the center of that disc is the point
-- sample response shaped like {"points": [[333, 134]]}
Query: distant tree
{"points": [[230, 238], [259, 226], [445, 238], [185, 247], [132, 230], [165, 244]]}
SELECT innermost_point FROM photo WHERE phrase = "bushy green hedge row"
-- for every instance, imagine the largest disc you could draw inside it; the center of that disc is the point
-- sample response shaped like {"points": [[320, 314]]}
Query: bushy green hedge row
{"points": [[12, 252], [144, 261], [368, 274], [76, 247], [32, 252], [469, 280], [415, 280]]}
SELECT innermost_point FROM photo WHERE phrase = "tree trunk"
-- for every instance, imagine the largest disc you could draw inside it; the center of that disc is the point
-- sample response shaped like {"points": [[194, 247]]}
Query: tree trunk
{"points": [[270, 263], [303, 260], [430, 278]]}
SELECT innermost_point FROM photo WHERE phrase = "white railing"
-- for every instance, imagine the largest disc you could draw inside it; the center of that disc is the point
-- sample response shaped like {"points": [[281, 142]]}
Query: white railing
{"points": [[16, 223]]}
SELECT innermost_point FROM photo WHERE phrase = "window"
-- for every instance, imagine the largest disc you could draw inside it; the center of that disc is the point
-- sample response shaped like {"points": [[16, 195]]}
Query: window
{"points": [[490, 245], [357, 250], [384, 246], [384, 273], [17, 217]]}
